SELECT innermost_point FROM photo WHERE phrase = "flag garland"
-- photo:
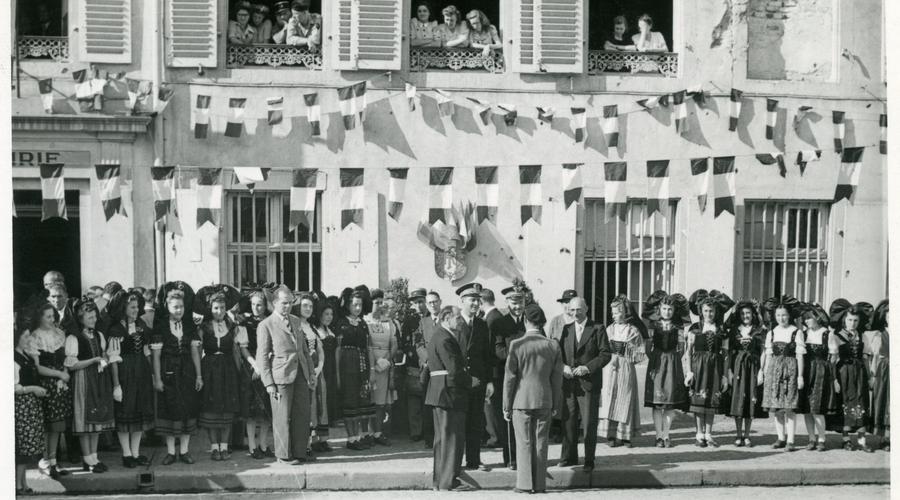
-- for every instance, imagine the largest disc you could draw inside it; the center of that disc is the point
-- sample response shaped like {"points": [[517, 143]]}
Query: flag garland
{"points": [[163, 96], [573, 185], [681, 123], [701, 173], [347, 102], [804, 157], [611, 126], [734, 108], [531, 200], [615, 196], [97, 86], [353, 197], [209, 196], [510, 115], [396, 191], [275, 117], [201, 117], [773, 158], [487, 194], [53, 192], [163, 183], [848, 175], [483, 108], [249, 176], [445, 102], [411, 96], [658, 187], [303, 197], [82, 85], [235, 125], [109, 180], [837, 119], [654, 102], [545, 114], [440, 194], [771, 118], [45, 87], [579, 121], [723, 178], [313, 113]]}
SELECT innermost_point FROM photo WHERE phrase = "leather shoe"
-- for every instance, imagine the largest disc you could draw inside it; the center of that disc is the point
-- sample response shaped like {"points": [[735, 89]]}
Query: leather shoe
{"points": [[287, 461], [216, 455], [588, 466], [382, 440], [567, 463], [102, 466], [141, 460], [512, 467], [129, 462], [483, 468], [169, 459], [520, 490], [186, 458]]}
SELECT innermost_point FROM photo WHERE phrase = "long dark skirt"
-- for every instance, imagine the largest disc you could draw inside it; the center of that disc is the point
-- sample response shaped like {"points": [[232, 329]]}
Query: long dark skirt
{"points": [[329, 370], [853, 377], [178, 406], [664, 385], [881, 397], [221, 392], [92, 401], [780, 388], [818, 396], [746, 394], [705, 391], [355, 395], [255, 403], [29, 428], [135, 412]]}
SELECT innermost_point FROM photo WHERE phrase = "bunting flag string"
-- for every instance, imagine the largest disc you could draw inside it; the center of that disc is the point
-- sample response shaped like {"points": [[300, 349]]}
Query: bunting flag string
{"points": [[209, 196], [573, 185], [771, 118], [347, 103], [249, 176], [483, 108], [658, 187], [510, 115], [611, 126], [110, 183], [804, 157], [531, 200], [802, 114], [681, 123], [545, 114], [773, 158], [487, 194], [837, 119], [163, 183], [411, 96], [303, 197], [723, 178], [440, 195], [313, 113], [53, 192], [353, 197], [45, 87], [848, 175], [97, 86], [396, 191], [697, 94], [445, 102], [163, 97], [579, 121], [360, 99], [201, 117], [235, 126], [615, 196], [275, 119], [133, 87], [701, 173], [82, 85], [734, 109]]}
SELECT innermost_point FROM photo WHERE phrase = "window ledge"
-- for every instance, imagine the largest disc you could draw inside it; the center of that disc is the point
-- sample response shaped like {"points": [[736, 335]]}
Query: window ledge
{"points": [[456, 59], [638, 63], [43, 47], [273, 55], [70, 123]]}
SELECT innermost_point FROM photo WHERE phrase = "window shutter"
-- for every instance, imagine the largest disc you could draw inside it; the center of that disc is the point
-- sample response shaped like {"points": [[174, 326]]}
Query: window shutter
{"points": [[191, 33], [551, 36], [367, 34], [105, 27]]}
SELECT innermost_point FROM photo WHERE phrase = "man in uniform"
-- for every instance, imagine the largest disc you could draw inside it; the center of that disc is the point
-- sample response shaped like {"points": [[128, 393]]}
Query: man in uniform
{"points": [[476, 345], [412, 342], [490, 314], [430, 307], [507, 328]]}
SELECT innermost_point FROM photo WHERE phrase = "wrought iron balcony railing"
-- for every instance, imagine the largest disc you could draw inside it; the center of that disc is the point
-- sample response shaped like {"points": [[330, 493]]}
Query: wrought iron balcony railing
{"points": [[273, 55], [643, 63], [456, 59], [43, 47]]}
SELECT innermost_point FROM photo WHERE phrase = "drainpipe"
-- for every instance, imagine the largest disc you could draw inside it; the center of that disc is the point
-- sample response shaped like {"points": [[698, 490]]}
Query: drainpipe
{"points": [[155, 12]]}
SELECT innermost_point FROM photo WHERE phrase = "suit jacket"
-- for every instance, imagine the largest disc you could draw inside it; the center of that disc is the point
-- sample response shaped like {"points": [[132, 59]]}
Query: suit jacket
{"points": [[534, 376], [428, 327], [592, 352], [69, 324], [555, 327], [475, 342], [450, 390], [506, 329], [280, 353]]}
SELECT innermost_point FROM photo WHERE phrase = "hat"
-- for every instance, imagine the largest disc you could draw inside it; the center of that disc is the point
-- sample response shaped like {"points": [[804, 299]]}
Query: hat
{"points": [[512, 293], [418, 293], [567, 295], [469, 290], [282, 6], [535, 315]]}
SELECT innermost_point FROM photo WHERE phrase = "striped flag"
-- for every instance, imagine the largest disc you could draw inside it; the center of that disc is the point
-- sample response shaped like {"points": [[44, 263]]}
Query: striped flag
{"points": [[483, 108], [615, 196], [445, 102], [848, 176], [697, 94], [771, 118], [804, 157], [579, 120], [440, 194], [134, 88], [313, 113], [110, 189], [654, 102], [735, 109], [280, 127], [201, 117], [411, 96], [97, 86], [163, 191], [235, 126], [82, 85], [53, 191], [545, 114], [658, 187], [163, 97], [681, 123], [347, 104], [837, 118], [773, 158], [882, 145], [723, 178], [209, 196], [353, 197], [510, 115], [46, 89], [531, 197], [249, 176], [487, 194], [611, 125], [396, 191], [701, 173], [303, 197], [572, 183]]}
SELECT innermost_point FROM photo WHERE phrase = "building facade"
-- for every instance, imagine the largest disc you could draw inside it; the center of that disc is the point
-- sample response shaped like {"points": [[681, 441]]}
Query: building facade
{"points": [[785, 237]]}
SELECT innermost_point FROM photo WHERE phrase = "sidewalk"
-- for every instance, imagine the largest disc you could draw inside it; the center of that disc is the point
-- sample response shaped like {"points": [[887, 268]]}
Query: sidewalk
{"points": [[407, 465]]}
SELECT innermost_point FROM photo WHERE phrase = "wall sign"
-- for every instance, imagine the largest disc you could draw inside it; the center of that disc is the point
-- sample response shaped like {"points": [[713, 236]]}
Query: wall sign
{"points": [[27, 158]]}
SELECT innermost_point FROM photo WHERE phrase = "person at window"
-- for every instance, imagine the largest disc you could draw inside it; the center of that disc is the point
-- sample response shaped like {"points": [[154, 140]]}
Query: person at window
{"points": [[259, 19], [304, 29], [282, 17], [482, 34], [647, 40], [453, 33], [239, 31], [422, 30], [46, 24], [618, 39]]}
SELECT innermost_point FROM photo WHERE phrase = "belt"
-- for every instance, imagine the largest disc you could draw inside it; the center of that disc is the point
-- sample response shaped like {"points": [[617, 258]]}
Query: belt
{"points": [[437, 373]]}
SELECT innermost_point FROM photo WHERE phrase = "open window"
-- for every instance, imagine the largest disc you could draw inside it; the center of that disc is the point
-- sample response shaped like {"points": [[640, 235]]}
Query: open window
{"points": [[460, 35], [42, 28], [275, 33], [616, 42]]}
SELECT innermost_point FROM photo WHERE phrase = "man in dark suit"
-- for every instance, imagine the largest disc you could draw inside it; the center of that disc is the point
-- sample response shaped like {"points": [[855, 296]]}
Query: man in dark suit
{"points": [[505, 329], [490, 314], [475, 341], [411, 342], [58, 297], [448, 393], [429, 324], [532, 394], [289, 380], [585, 351]]}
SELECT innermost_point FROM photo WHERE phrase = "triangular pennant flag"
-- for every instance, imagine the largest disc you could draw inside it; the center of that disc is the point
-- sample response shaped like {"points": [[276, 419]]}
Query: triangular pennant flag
{"points": [[313, 113], [235, 126], [201, 117], [771, 118], [110, 189], [658, 187], [697, 94], [773, 158], [723, 178], [82, 85], [681, 123], [802, 113], [134, 87], [359, 95], [411, 96], [653, 102], [804, 157], [280, 127], [837, 119], [165, 209], [396, 191], [97, 86], [440, 194], [510, 114], [487, 194], [579, 121], [848, 176], [445, 102], [545, 114], [46, 89], [249, 176], [209, 196], [611, 125], [531, 203], [483, 108], [163, 97], [303, 197], [735, 109], [347, 104], [353, 197], [572, 184], [615, 197], [701, 173], [53, 191], [882, 144]]}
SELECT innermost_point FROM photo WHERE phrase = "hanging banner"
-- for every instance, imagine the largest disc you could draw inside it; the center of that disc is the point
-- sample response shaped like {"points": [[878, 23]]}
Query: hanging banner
{"points": [[353, 197], [303, 197], [487, 194], [53, 192], [572, 184], [531, 200], [110, 184], [440, 194], [396, 191]]}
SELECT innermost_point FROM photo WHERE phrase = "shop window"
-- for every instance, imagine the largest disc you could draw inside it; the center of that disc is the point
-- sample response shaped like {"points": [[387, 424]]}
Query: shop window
{"points": [[42, 27], [617, 45], [790, 40], [275, 33], [456, 35]]}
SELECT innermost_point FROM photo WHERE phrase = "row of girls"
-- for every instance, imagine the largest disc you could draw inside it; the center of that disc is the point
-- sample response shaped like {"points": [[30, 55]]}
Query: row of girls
{"points": [[98, 377], [750, 360]]}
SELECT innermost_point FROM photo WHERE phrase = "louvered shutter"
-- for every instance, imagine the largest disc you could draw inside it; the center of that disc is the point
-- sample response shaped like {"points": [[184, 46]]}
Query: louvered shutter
{"points": [[191, 33], [551, 36], [367, 34], [105, 28]]}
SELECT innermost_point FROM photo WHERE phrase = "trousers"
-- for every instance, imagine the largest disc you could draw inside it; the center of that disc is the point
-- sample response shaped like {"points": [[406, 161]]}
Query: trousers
{"points": [[584, 408], [505, 431], [291, 418], [449, 442], [532, 438], [474, 425]]}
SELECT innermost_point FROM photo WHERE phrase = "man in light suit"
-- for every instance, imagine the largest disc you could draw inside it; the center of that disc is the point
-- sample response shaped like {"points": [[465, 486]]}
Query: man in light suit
{"points": [[286, 370], [532, 394], [585, 351]]}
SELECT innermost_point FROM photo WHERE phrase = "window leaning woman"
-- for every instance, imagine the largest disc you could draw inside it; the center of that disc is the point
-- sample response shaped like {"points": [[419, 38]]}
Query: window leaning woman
{"points": [[482, 34], [423, 30], [453, 33], [647, 40]]}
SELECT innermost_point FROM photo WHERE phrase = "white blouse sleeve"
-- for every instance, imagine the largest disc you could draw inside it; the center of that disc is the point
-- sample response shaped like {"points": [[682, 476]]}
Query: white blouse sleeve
{"points": [[241, 338], [833, 342], [769, 341], [800, 343], [71, 351], [16, 378]]}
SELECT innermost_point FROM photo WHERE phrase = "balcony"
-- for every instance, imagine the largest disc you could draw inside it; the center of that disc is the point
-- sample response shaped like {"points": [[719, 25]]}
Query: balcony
{"points": [[273, 55], [43, 47], [639, 63], [456, 59]]}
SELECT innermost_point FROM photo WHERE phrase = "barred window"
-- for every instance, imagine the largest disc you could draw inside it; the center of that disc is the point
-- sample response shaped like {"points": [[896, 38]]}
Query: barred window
{"points": [[634, 257], [784, 250], [262, 247]]}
